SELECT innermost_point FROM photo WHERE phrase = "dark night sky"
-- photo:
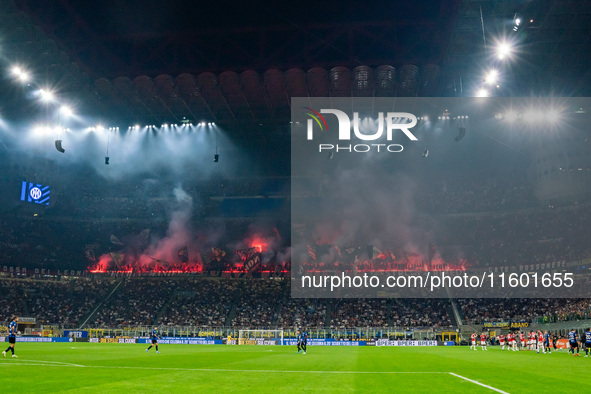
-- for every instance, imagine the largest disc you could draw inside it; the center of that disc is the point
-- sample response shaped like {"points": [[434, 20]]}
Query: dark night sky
{"points": [[92, 31], [136, 16]]}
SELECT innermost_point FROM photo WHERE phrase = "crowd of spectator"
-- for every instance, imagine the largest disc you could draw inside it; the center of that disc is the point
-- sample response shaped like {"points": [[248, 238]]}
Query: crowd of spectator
{"points": [[302, 312], [487, 223], [257, 304], [64, 302], [135, 303], [253, 303], [205, 302], [11, 296], [520, 238], [490, 195], [359, 313], [526, 309]]}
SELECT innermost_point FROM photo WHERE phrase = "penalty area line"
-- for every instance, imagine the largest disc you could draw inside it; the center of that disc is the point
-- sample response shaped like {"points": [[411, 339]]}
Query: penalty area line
{"points": [[478, 383]]}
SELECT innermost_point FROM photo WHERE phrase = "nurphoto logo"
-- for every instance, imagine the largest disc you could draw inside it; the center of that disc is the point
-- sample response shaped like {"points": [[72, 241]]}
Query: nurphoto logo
{"points": [[389, 122]]}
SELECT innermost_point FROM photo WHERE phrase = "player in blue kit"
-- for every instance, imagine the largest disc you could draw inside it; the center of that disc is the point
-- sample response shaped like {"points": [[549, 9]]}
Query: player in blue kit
{"points": [[11, 337], [572, 340], [587, 341], [154, 340], [299, 341], [304, 341], [547, 341]]}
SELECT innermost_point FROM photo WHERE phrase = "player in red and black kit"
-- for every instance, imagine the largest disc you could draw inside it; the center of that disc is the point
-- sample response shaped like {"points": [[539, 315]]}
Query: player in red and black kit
{"points": [[514, 342], [483, 341], [522, 340], [502, 341], [473, 341], [532, 340]]}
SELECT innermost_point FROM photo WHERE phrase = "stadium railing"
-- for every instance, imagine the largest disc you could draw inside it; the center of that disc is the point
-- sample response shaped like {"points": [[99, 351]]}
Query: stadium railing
{"points": [[353, 333]]}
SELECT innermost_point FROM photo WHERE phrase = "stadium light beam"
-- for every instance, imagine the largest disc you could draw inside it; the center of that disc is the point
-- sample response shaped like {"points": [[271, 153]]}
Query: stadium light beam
{"points": [[510, 116], [20, 74], [504, 50], [492, 77], [482, 93], [533, 116], [66, 111], [46, 95], [552, 116]]}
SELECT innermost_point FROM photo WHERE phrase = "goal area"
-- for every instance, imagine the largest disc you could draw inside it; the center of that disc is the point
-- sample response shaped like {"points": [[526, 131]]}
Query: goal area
{"points": [[260, 337]]}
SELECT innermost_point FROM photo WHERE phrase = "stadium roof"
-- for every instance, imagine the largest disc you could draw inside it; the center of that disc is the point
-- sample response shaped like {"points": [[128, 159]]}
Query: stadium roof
{"points": [[240, 63]]}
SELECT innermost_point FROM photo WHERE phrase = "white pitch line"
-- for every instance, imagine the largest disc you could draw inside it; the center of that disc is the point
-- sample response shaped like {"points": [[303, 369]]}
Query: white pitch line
{"points": [[38, 364], [53, 362], [268, 370], [478, 383], [230, 370]]}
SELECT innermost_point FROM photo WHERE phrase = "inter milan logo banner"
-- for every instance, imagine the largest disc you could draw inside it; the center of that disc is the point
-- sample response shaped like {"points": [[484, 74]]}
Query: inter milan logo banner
{"points": [[35, 193]]}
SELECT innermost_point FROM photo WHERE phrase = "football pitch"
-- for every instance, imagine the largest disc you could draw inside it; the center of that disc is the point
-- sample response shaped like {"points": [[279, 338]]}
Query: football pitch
{"points": [[90, 367]]}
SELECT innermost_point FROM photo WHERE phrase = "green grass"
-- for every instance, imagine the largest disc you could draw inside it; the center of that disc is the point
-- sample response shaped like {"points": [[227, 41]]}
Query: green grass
{"points": [[86, 367]]}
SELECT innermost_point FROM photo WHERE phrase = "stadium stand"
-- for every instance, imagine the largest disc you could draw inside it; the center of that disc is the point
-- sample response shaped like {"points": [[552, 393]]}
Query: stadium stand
{"points": [[262, 303]]}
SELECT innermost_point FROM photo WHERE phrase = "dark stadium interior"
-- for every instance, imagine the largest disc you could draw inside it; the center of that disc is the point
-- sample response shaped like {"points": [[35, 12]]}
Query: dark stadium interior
{"points": [[143, 227]]}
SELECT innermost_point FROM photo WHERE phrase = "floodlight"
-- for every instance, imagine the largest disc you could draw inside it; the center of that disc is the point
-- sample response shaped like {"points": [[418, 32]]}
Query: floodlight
{"points": [[504, 50], [20, 74], [46, 95], [66, 111], [491, 77], [482, 93]]}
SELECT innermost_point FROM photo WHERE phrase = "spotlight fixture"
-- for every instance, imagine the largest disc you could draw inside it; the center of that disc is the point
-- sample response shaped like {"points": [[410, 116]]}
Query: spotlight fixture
{"points": [[46, 95], [504, 50], [482, 93], [491, 77], [58, 146], [216, 157], [21, 74], [461, 134], [107, 160], [66, 111], [425, 153]]}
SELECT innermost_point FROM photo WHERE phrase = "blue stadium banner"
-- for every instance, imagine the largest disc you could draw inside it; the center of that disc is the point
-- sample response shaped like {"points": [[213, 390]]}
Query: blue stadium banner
{"points": [[183, 341], [35, 193], [75, 334], [39, 339], [324, 342]]}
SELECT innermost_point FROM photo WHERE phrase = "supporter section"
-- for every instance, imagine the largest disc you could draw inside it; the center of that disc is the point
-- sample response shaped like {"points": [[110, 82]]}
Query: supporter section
{"points": [[250, 303]]}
